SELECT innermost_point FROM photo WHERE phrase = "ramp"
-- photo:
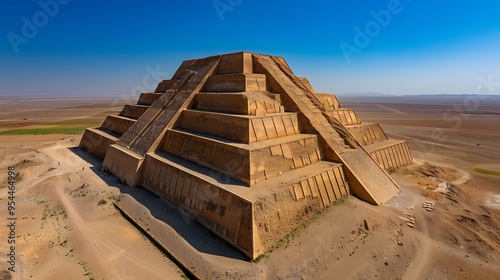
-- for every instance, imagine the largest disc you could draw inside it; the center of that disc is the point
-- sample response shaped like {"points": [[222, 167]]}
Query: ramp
{"points": [[367, 179]]}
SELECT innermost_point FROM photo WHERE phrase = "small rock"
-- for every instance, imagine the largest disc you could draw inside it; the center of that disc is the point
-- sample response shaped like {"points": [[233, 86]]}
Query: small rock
{"points": [[367, 227]]}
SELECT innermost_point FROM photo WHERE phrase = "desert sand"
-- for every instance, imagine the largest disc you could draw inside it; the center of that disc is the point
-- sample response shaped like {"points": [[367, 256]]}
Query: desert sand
{"points": [[68, 227]]}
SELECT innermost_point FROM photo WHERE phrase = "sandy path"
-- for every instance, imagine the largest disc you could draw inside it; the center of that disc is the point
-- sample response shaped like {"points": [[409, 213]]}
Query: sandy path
{"points": [[418, 266], [105, 252], [392, 109], [108, 260], [92, 240], [57, 153], [408, 201]]}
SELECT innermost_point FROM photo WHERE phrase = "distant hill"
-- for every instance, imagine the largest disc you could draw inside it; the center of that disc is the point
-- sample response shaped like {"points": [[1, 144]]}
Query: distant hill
{"points": [[59, 97], [378, 94]]}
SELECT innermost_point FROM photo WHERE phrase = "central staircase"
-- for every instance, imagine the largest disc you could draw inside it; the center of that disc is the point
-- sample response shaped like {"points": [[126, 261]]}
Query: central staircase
{"points": [[247, 148]]}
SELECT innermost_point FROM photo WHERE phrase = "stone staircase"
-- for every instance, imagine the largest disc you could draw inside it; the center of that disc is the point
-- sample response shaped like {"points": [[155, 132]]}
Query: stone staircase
{"points": [[246, 147], [97, 141], [240, 140], [366, 178], [389, 154]]}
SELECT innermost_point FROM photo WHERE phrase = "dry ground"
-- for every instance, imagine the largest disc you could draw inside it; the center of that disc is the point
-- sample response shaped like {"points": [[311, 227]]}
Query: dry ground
{"points": [[67, 226]]}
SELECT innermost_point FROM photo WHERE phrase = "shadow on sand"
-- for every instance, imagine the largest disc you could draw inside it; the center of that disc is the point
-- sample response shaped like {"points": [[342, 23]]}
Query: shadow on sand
{"points": [[199, 237]]}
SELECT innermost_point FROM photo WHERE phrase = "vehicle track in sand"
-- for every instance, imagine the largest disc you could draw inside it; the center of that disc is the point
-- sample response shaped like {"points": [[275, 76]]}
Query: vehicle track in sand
{"points": [[419, 266], [392, 110], [110, 259], [104, 251]]}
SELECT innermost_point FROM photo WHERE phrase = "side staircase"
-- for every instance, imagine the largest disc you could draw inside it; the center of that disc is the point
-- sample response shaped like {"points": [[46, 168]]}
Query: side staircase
{"points": [[236, 154], [388, 153], [98, 140], [247, 148]]}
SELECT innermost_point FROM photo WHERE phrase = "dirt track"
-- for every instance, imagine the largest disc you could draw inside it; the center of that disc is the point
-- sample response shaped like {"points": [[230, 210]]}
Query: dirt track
{"points": [[108, 254]]}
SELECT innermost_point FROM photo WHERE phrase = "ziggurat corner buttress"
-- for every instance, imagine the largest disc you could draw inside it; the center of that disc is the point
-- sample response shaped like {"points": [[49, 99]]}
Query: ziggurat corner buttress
{"points": [[246, 147]]}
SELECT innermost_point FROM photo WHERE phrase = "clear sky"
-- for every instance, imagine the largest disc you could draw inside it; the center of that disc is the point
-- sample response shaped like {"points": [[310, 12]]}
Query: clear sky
{"points": [[75, 47]]}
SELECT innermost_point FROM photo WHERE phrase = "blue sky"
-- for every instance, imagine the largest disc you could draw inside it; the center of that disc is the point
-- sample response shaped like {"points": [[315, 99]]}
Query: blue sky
{"points": [[110, 48]]}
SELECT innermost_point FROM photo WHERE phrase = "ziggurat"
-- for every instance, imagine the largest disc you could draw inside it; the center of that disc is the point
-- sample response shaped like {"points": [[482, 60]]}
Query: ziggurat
{"points": [[246, 147]]}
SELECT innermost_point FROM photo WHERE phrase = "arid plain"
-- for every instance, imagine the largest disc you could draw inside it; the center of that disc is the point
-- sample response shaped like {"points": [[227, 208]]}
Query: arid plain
{"points": [[67, 225]]}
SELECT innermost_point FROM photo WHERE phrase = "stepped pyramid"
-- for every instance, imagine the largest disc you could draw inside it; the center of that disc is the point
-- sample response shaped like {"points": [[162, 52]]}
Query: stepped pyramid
{"points": [[246, 147]]}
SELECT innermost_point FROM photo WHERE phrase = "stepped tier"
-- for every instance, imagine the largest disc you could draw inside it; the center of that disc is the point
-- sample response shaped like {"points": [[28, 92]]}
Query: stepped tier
{"points": [[247, 148], [344, 115], [97, 142], [133, 111], [236, 83], [244, 103], [390, 154], [252, 219], [240, 128], [256, 162], [148, 98], [367, 133], [366, 179], [117, 124], [328, 100]]}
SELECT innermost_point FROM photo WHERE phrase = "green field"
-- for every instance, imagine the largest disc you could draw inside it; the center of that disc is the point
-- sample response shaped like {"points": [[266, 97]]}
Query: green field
{"points": [[487, 172], [72, 122], [43, 131]]}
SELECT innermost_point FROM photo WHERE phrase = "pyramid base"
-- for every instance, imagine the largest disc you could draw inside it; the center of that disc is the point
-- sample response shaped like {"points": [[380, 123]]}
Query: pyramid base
{"points": [[97, 142], [124, 164], [251, 219], [390, 154]]}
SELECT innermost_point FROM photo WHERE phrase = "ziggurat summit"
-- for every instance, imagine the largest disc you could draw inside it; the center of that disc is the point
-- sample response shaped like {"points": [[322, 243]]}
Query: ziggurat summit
{"points": [[247, 148]]}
